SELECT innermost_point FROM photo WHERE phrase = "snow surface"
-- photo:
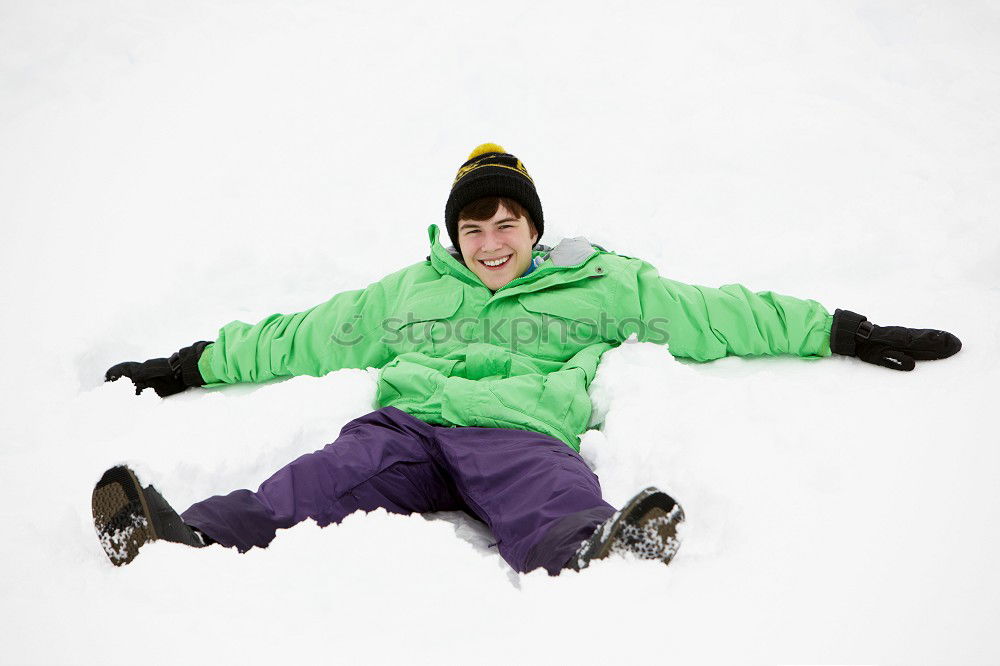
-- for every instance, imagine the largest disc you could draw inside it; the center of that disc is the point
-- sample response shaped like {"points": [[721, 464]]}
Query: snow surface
{"points": [[166, 168]]}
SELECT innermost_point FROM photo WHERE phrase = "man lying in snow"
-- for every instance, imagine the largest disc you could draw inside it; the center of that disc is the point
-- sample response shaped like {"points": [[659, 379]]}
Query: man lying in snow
{"points": [[486, 352]]}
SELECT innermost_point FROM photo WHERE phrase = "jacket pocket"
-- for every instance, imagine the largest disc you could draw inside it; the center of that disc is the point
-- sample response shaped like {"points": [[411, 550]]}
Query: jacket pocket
{"points": [[422, 323], [568, 320]]}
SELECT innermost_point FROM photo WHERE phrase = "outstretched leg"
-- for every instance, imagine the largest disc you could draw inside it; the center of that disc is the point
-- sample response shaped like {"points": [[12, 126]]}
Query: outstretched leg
{"points": [[379, 461], [538, 496]]}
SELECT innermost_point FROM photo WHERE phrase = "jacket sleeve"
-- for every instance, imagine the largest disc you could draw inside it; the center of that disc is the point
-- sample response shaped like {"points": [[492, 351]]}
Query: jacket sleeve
{"points": [[343, 332], [704, 323]]}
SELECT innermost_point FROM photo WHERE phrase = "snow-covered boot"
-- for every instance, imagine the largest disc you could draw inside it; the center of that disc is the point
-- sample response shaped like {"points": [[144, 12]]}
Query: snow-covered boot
{"points": [[126, 516], [646, 527]]}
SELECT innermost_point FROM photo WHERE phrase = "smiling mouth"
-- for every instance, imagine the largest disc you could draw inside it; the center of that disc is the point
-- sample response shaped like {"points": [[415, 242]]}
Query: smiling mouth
{"points": [[494, 264]]}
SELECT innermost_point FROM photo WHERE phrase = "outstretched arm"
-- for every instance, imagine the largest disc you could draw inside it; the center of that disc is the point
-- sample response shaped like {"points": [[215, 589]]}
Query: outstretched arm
{"points": [[343, 332], [340, 333], [705, 323]]}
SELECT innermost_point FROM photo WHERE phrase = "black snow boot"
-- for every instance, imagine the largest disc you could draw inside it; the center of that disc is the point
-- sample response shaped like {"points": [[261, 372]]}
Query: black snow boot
{"points": [[646, 527], [127, 516]]}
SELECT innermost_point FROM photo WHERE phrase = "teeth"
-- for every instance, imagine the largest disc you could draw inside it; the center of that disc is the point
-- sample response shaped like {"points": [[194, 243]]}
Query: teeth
{"points": [[496, 262]]}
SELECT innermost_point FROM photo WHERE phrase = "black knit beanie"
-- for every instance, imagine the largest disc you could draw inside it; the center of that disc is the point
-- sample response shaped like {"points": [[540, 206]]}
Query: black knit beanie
{"points": [[491, 172]]}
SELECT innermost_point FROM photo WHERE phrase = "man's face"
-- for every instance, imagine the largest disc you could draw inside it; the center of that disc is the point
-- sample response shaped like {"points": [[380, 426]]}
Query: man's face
{"points": [[503, 238]]}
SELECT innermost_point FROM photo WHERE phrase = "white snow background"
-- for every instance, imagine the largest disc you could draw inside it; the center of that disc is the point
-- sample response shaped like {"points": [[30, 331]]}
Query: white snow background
{"points": [[167, 167]]}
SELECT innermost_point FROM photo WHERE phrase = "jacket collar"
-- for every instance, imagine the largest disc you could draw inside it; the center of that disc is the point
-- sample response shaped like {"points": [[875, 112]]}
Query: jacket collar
{"points": [[568, 253], [446, 263]]}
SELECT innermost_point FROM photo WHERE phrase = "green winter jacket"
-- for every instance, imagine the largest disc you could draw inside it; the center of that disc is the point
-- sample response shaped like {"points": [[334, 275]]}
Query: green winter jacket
{"points": [[453, 353]]}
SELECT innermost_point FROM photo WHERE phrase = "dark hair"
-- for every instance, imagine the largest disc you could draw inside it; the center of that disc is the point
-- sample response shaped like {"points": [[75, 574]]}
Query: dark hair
{"points": [[487, 207]]}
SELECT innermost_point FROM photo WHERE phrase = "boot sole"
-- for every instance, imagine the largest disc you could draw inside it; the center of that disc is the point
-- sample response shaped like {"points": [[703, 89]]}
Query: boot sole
{"points": [[121, 515], [646, 527]]}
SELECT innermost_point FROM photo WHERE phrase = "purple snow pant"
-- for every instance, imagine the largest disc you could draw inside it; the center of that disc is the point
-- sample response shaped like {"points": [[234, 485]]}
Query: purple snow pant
{"points": [[535, 493]]}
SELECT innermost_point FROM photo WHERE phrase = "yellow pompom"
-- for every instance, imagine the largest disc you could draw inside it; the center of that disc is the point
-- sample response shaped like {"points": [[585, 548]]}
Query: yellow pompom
{"points": [[486, 148]]}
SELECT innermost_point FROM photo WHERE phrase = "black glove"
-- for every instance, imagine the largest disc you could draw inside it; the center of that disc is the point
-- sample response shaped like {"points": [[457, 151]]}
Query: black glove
{"points": [[893, 347], [165, 376]]}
